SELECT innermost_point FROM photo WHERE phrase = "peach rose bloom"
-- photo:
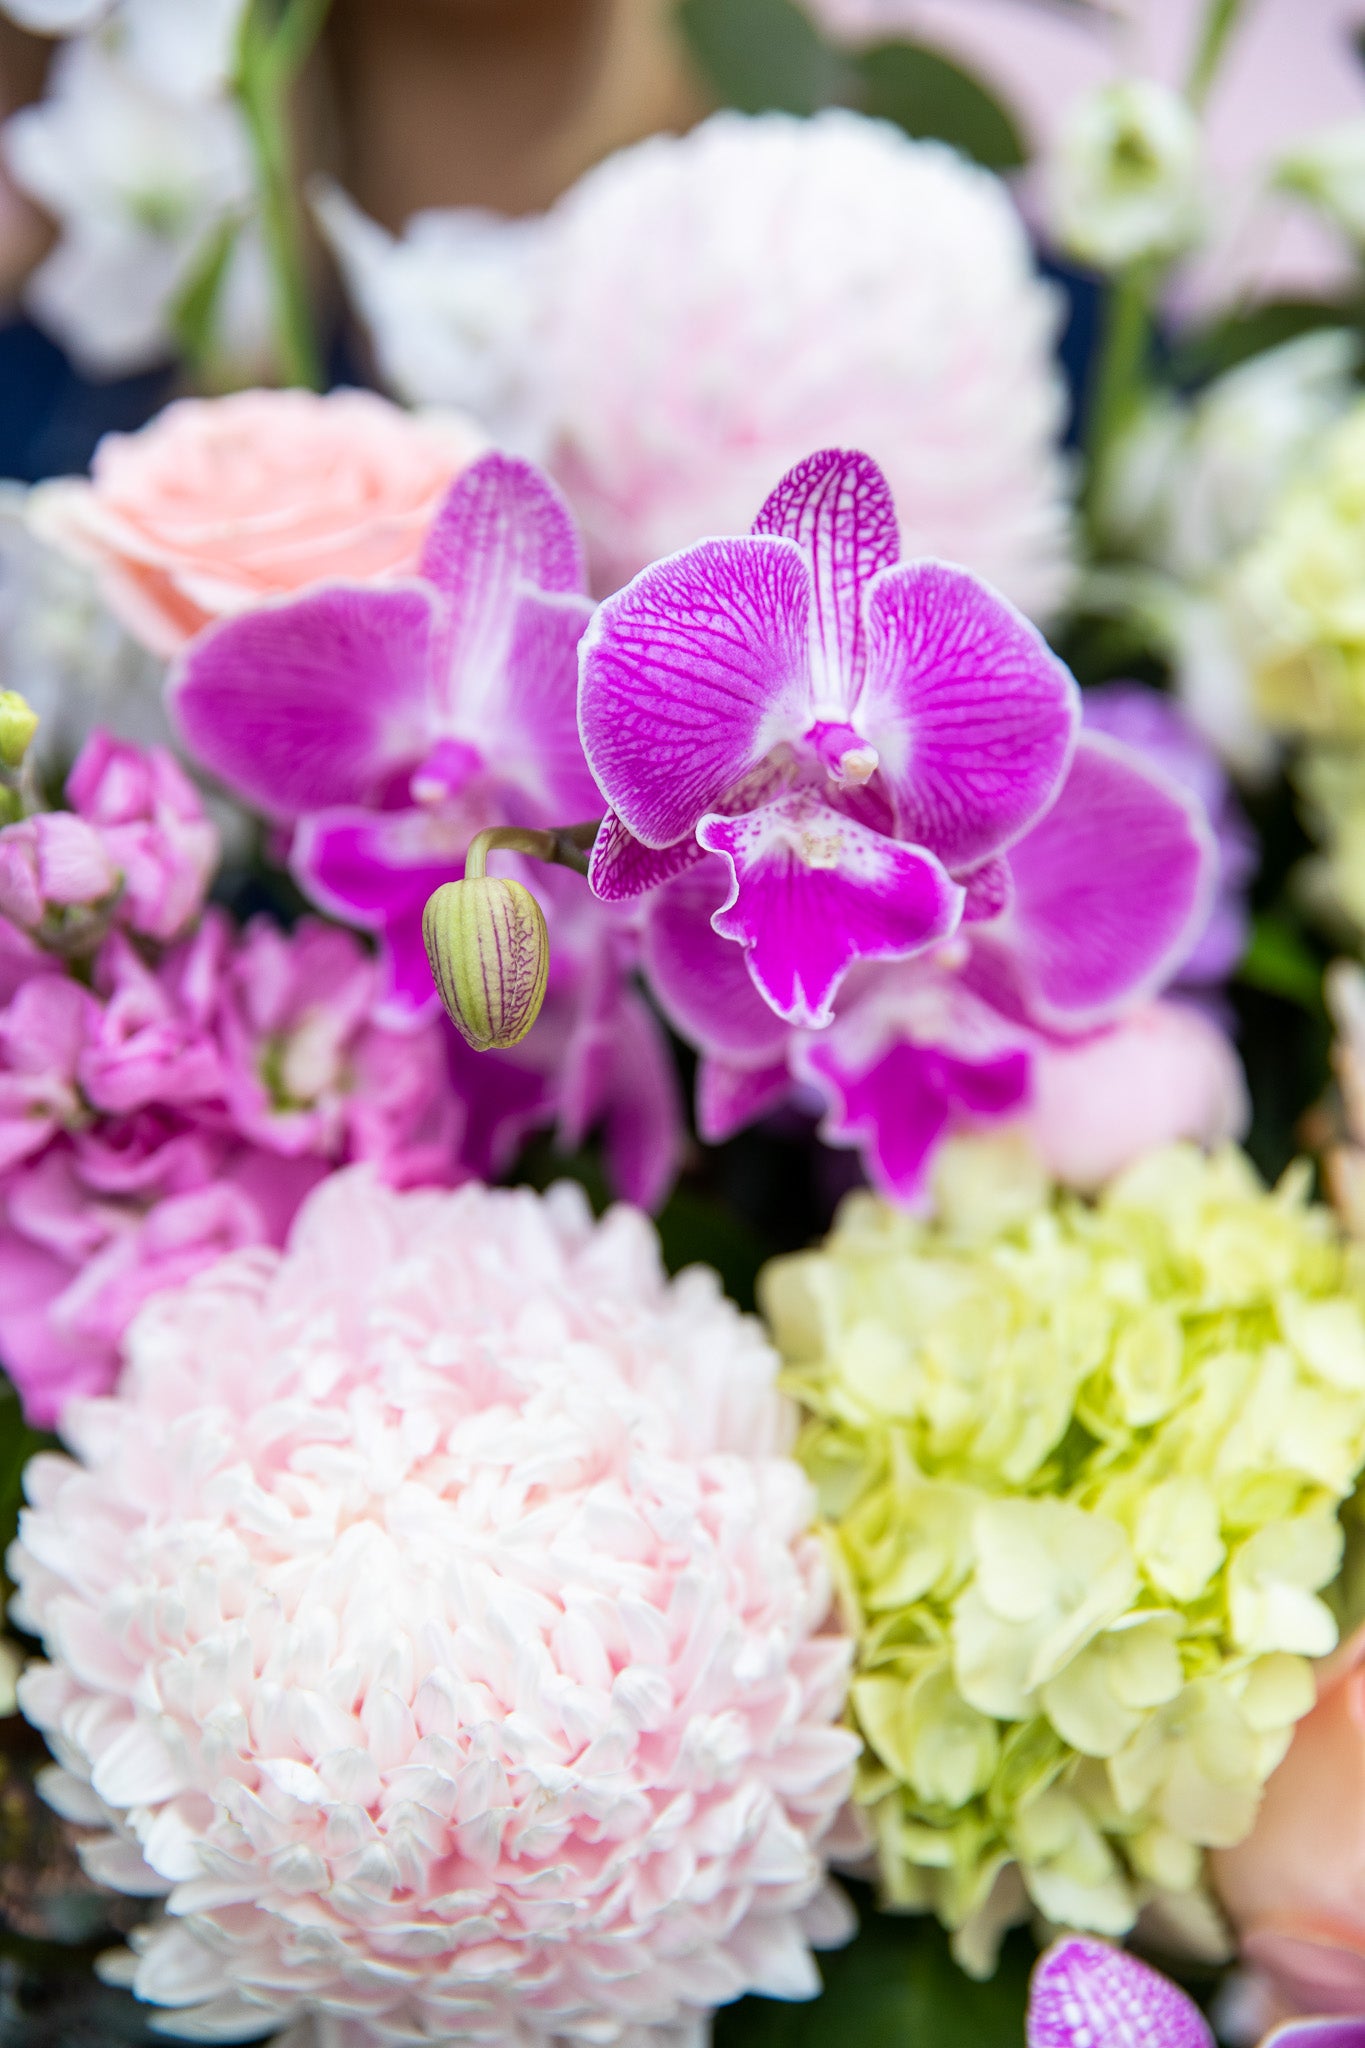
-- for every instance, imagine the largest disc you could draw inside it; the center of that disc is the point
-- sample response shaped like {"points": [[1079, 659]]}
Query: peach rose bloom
{"points": [[220, 504], [1295, 1889]]}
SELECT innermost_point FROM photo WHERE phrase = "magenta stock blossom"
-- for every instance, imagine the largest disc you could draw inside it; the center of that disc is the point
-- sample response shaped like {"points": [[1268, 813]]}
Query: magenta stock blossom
{"points": [[1089, 1994], [172, 1113], [386, 726]]}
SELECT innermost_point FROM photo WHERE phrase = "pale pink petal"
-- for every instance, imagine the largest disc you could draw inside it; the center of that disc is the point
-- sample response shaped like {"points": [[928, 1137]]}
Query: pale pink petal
{"points": [[813, 891], [837, 507], [313, 702], [691, 675], [972, 716]]}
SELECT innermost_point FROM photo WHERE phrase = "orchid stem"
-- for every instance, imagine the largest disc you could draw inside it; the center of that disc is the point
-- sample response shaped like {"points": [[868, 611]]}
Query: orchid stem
{"points": [[566, 846], [275, 45], [1119, 367]]}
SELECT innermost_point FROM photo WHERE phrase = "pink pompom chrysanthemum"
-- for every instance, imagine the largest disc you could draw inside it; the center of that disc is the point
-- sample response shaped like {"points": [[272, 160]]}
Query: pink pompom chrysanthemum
{"points": [[434, 1619]]}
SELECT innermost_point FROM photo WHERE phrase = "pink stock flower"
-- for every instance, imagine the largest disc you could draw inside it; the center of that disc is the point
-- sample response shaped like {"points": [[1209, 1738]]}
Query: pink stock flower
{"points": [[387, 727], [222, 504], [181, 1110], [136, 843], [435, 1621], [154, 830], [1089, 1994], [868, 774]]}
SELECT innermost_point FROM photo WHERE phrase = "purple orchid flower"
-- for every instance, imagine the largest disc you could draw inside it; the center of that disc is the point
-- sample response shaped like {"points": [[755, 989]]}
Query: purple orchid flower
{"points": [[857, 740], [1089, 1994], [1318, 2033], [389, 724]]}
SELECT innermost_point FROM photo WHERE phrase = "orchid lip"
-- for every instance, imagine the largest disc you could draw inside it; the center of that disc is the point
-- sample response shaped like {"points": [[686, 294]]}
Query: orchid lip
{"points": [[444, 772], [849, 759]]}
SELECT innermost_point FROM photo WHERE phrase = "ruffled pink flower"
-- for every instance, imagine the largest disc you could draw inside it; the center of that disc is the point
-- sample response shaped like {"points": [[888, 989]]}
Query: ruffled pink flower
{"points": [[154, 830], [386, 727], [135, 844], [179, 1111], [442, 1589]]}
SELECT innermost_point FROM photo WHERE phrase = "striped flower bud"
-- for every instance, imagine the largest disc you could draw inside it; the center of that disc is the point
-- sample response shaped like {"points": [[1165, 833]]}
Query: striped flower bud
{"points": [[490, 956]]}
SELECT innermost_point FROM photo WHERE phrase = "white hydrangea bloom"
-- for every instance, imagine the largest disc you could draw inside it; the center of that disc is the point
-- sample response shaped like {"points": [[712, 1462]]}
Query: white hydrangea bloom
{"points": [[698, 313]]}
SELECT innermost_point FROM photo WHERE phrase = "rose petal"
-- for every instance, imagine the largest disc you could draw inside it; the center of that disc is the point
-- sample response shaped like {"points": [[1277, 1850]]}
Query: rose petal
{"points": [[972, 715], [313, 702], [813, 891], [691, 675], [1109, 890], [837, 507]]}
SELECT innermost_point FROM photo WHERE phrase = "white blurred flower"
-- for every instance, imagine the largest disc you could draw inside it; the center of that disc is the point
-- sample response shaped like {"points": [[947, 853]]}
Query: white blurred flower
{"points": [[1329, 169], [699, 313], [1187, 488], [182, 47], [452, 307], [1125, 175], [140, 184]]}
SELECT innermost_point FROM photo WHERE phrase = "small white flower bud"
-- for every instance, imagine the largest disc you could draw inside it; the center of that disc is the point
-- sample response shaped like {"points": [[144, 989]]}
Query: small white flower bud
{"points": [[1124, 185]]}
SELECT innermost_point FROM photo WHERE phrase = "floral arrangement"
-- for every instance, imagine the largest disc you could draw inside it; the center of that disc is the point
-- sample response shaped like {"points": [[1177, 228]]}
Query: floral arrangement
{"points": [[800, 711]]}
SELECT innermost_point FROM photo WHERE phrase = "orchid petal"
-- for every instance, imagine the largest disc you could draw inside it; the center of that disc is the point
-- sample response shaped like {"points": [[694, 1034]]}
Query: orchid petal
{"points": [[1086, 1993], [896, 1110], [314, 702], [814, 890], [622, 1076], [730, 1097], [837, 507], [972, 716], [502, 530], [529, 725], [1318, 2033], [699, 978], [691, 675], [622, 866], [376, 869], [1111, 889]]}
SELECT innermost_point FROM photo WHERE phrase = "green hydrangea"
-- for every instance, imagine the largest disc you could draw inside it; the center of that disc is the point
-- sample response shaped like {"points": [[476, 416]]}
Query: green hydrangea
{"points": [[1081, 1468]]}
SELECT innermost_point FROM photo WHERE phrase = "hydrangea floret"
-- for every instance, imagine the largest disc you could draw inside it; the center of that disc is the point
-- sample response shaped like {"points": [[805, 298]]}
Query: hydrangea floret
{"points": [[1081, 1467]]}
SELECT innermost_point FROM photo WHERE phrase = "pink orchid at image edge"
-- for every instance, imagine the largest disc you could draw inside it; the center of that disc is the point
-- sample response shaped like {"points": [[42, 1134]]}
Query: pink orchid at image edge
{"points": [[1087, 1993], [384, 726]]}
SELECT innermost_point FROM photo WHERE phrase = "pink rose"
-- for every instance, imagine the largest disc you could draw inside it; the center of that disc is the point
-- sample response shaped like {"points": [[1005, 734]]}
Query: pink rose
{"points": [[1295, 1888], [1166, 1072], [220, 504]]}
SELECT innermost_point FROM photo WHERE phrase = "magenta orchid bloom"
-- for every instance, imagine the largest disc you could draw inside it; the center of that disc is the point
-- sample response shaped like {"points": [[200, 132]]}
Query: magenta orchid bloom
{"points": [[390, 723], [1089, 1994], [858, 739], [1318, 2033]]}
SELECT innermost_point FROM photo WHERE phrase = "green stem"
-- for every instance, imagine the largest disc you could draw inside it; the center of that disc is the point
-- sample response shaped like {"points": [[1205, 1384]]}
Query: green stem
{"points": [[1119, 368], [566, 847], [274, 48], [1220, 17]]}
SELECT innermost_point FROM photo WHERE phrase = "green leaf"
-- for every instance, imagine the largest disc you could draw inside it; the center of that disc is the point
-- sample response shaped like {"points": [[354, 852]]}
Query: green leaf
{"points": [[1279, 961], [762, 54], [929, 96], [895, 1986]]}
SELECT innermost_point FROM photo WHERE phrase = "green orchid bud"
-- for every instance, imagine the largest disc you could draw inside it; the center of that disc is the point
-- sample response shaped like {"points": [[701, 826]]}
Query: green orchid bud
{"points": [[18, 723], [490, 956]]}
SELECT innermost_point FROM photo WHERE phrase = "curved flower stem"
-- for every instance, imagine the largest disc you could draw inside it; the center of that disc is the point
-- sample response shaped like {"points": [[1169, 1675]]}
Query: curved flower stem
{"points": [[275, 45], [1116, 385], [566, 846], [1220, 18]]}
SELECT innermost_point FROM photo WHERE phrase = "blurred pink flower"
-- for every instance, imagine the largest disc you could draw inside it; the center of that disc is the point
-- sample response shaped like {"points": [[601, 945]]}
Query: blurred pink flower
{"points": [[490, 1640], [175, 1111], [221, 504], [1288, 72], [1295, 1888]]}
